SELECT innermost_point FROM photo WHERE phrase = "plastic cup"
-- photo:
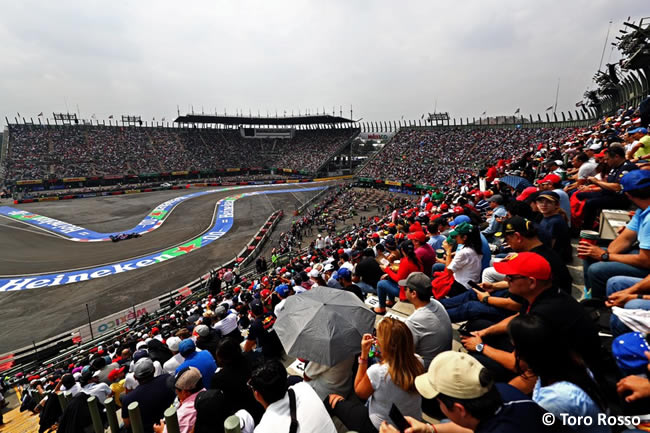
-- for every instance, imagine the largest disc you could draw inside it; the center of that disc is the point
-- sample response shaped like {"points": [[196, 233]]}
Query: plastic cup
{"points": [[590, 237], [440, 253]]}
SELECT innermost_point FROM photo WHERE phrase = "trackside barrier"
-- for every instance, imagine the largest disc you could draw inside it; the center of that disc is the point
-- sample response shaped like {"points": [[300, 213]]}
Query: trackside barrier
{"points": [[98, 426], [135, 419], [168, 303], [171, 421], [231, 424], [111, 414], [308, 203]]}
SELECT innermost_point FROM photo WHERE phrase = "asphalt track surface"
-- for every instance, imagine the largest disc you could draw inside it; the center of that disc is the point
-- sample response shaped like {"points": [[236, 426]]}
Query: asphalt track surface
{"points": [[37, 314]]}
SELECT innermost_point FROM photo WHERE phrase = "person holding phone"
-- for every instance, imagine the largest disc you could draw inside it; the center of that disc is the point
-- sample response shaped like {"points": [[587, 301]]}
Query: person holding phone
{"points": [[390, 381]]}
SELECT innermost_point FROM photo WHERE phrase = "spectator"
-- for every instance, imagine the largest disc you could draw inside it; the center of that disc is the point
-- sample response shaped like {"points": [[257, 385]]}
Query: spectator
{"points": [[177, 359], [367, 273], [153, 395], [202, 361], [465, 263], [429, 323], [187, 384], [392, 381], [629, 293], [553, 229], [271, 390], [260, 333], [469, 398], [345, 278], [564, 385], [388, 286], [496, 216], [620, 258], [423, 251]]}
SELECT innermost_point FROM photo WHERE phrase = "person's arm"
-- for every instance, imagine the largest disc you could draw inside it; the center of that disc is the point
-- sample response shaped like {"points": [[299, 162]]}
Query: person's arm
{"points": [[611, 186], [495, 301], [249, 345], [630, 154], [623, 242], [524, 382], [498, 328], [362, 386], [507, 359], [491, 287]]}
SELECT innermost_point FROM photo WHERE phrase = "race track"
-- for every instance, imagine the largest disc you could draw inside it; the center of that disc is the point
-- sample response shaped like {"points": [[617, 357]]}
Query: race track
{"points": [[34, 315]]}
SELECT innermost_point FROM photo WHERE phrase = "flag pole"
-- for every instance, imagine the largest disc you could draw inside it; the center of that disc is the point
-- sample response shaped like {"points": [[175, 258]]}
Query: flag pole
{"points": [[557, 93]]}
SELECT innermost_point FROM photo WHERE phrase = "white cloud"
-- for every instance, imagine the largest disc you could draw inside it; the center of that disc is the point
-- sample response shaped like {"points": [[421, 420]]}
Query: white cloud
{"points": [[388, 59]]}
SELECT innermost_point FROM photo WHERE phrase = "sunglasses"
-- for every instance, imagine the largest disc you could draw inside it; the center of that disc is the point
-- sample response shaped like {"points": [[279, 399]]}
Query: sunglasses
{"points": [[514, 277]]}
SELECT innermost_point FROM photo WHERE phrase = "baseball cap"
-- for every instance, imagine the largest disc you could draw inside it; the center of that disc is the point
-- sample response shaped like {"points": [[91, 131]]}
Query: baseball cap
{"points": [[549, 195], [344, 273], [144, 368], [282, 290], [417, 281], [550, 178], [314, 273], [139, 354], [527, 264], [454, 374], [527, 192], [459, 220], [629, 351], [458, 209], [112, 376], [638, 130], [256, 307], [187, 379], [186, 347], [418, 236], [517, 224], [635, 179], [595, 146], [461, 229], [328, 267], [497, 198], [202, 330], [173, 343]]}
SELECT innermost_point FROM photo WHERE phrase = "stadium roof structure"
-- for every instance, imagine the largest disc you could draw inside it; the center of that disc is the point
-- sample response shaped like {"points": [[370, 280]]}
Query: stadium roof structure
{"points": [[278, 121]]}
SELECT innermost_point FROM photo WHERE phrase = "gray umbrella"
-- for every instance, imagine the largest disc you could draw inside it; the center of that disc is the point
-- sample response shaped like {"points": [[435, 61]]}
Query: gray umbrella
{"points": [[323, 325]]}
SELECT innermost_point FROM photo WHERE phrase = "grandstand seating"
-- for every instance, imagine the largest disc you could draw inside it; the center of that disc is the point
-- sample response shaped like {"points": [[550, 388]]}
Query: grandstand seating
{"points": [[38, 152]]}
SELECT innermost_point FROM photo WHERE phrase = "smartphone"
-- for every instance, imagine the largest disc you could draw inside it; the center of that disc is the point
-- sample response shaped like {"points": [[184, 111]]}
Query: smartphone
{"points": [[464, 332], [398, 419], [473, 285]]}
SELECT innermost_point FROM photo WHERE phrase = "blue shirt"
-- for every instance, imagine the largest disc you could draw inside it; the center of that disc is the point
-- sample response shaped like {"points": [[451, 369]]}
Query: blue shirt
{"points": [[566, 397], [202, 361], [640, 223], [495, 226], [436, 241]]}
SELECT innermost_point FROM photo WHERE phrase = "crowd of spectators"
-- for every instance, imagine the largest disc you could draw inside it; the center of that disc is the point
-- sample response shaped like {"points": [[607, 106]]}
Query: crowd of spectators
{"points": [[38, 152], [443, 156], [492, 260]]}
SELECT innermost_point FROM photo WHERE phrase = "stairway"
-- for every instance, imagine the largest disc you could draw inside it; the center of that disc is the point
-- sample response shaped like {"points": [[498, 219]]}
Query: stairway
{"points": [[19, 422]]}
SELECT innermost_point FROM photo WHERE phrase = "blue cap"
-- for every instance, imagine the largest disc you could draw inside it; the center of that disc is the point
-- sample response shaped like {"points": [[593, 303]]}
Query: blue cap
{"points": [[282, 290], [637, 130], [629, 351], [459, 220], [186, 347], [139, 354], [636, 179], [344, 273]]}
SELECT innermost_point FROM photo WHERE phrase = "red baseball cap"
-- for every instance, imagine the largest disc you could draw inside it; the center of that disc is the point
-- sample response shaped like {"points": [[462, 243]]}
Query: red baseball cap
{"points": [[526, 193], [527, 264], [418, 236], [550, 178], [444, 206], [458, 209], [341, 251], [375, 235], [112, 376], [265, 293]]}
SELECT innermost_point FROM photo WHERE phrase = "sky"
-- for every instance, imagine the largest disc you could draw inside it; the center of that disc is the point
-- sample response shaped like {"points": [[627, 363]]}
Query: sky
{"points": [[385, 59]]}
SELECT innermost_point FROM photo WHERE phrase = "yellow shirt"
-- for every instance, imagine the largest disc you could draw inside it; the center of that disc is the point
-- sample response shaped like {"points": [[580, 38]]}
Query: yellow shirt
{"points": [[117, 388], [645, 147]]}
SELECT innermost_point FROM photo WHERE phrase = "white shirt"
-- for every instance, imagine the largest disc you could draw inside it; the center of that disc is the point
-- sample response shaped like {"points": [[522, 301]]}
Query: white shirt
{"points": [[310, 412], [99, 390], [466, 266], [227, 324], [587, 169], [279, 307], [172, 364]]}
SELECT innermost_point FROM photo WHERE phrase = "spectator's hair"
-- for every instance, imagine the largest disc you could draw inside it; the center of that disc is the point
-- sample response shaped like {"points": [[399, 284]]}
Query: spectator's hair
{"points": [[368, 252], [398, 351], [641, 193], [68, 381], [549, 356], [434, 226], [98, 363], [482, 407], [345, 257], [229, 352], [473, 240], [520, 208], [270, 380], [615, 150], [408, 249], [582, 157]]}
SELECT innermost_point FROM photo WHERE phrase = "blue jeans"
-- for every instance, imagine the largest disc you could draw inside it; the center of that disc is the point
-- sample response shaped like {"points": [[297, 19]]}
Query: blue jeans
{"points": [[386, 288], [616, 284], [466, 306], [597, 274], [365, 287], [437, 267]]}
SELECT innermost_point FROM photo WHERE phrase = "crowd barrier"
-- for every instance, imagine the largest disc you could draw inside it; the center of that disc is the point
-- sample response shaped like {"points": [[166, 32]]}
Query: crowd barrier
{"points": [[57, 348]]}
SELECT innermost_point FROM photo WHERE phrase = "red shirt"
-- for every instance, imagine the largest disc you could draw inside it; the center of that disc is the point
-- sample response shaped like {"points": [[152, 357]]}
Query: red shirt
{"points": [[427, 256], [406, 266]]}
